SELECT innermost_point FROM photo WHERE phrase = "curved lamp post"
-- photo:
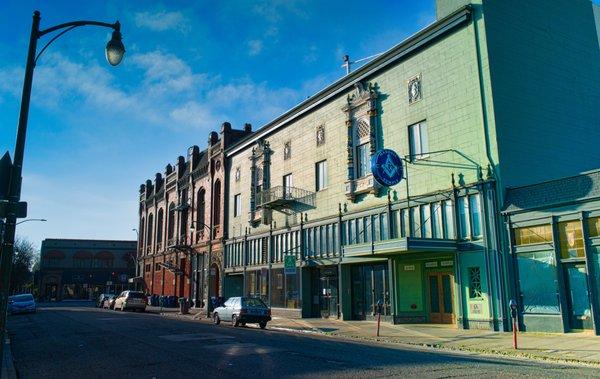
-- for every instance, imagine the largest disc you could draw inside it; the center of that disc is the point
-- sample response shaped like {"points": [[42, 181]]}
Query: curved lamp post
{"points": [[12, 207], [31, 219]]}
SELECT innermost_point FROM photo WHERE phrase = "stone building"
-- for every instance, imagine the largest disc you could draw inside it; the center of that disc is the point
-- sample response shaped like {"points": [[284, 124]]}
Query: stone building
{"points": [[469, 105], [181, 217], [83, 269]]}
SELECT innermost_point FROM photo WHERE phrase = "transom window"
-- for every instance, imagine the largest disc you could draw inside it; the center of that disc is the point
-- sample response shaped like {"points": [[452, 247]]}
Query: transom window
{"points": [[571, 239], [533, 234]]}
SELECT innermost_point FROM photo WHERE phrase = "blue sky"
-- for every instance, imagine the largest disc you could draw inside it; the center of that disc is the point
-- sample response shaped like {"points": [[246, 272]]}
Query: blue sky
{"points": [[97, 132]]}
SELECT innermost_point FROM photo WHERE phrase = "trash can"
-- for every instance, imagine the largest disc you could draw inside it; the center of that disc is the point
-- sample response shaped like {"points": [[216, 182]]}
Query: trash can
{"points": [[183, 306]]}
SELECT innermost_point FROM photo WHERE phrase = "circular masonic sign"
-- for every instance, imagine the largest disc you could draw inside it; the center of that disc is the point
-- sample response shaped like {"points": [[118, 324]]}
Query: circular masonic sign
{"points": [[386, 166]]}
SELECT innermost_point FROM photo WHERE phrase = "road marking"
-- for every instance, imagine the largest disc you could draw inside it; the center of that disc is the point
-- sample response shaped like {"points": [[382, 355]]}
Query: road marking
{"points": [[194, 337], [242, 349]]}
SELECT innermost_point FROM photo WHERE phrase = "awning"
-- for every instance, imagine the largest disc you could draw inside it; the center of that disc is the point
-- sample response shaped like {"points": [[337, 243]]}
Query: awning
{"points": [[399, 246]]}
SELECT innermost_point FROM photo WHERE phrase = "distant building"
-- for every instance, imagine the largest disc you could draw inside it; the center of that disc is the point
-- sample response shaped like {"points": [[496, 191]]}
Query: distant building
{"points": [[82, 269]]}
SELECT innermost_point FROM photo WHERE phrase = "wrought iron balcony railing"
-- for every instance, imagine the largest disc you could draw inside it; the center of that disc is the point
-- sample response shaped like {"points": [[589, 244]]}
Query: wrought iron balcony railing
{"points": [[280, 197]]}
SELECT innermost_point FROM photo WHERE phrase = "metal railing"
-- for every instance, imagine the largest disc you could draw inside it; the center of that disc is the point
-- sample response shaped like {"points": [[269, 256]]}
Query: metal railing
{"points": [[285, 194]]}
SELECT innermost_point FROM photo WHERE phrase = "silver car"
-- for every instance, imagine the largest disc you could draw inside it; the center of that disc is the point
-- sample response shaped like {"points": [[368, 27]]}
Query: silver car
{"points": [[130, 300], [21, 304], [243, 310]]}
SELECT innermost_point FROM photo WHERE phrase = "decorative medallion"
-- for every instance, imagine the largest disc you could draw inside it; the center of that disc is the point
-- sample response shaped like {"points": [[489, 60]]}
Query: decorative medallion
{"points": [[414, 89], [287, 150], [238, 174], [320, 135]]}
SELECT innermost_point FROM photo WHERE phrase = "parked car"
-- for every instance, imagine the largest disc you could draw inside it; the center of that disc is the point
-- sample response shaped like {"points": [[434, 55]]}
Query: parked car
{"points": [[242, 311], [21, 304], [109, 302], [100, 300], [130, 300]]}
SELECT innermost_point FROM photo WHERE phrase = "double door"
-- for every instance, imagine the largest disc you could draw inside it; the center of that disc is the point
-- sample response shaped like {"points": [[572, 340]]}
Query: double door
{"points": [[370, 291], [440, 298]]}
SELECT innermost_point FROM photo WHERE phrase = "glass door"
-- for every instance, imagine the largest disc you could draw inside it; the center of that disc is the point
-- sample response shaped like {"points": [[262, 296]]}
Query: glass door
{"points": [[578, 297], [358, 293]]}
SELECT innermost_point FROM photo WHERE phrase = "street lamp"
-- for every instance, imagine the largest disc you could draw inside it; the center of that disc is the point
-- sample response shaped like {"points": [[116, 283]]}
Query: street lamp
{"points": [[31, 219], [11, 207]]}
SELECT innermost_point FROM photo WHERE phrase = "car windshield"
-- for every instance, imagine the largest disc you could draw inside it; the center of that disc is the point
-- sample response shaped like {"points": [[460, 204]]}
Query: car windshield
{"points": [[22, 298], [252, 302], [135, 295]]}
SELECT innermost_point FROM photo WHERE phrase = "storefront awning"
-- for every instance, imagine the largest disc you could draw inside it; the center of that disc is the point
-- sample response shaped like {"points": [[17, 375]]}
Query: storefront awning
{"points": [[399, 246]]}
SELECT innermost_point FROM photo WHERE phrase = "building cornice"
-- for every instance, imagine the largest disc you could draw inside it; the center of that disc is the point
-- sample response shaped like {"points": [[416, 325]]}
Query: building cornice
{"points": [[396, 53]]}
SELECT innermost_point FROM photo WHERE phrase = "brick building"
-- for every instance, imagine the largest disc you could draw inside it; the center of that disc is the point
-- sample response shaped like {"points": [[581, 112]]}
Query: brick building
{"points": [[82, 269], [181, 216]]}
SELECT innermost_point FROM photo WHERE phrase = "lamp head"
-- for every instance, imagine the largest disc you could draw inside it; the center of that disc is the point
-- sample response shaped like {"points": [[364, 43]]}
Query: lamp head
{"points": [[115, 48]]}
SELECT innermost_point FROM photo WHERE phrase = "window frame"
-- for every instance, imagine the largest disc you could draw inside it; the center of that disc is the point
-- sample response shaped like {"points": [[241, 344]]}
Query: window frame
{"points": [[321, 173], [237, 205], [423, 143]]}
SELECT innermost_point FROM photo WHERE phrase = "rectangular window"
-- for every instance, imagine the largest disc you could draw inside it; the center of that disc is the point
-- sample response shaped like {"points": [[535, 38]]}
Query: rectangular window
{"points": [[436, 221], [237, 205], [530, 235], [321, 175], [368, 229], [425, 218], [419, 140], [594, 227], [404, 224], [396, 224], [449, 220], [415, 225], [475, 290], [571, 239], [475, 207], [363, 161], [463, 218], [351, 233], [384, 226], [277, 288], [376, 228], [537, 282]]}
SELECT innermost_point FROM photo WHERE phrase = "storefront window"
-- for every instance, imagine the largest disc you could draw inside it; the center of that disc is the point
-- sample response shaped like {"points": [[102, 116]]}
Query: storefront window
{"points": [[537, 281], [571, 239], [425, 216], [415, 227], [436, 221], [533, 234], [277, 288], [292, 298], [384, 226]]}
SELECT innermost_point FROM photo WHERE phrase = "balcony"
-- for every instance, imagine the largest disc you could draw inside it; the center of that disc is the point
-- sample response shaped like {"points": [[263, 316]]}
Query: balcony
{"points": [[287, 200]]}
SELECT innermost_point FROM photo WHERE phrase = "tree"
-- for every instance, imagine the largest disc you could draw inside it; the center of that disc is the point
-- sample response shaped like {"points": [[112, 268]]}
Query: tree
{"points": [[23, 261]]}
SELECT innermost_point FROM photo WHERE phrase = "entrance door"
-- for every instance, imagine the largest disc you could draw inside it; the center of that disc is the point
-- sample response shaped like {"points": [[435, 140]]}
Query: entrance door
{"points": [[579, 302], [440, 298], [329, 296]]}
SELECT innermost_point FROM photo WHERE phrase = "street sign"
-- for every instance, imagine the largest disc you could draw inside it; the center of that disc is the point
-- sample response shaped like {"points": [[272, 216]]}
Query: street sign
{"points": [[19, 209], [289, 265], [5, 169], [386, 167]]}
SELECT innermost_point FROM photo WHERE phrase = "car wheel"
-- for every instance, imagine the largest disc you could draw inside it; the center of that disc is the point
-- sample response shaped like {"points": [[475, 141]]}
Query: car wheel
{"points": [[235, 321], [242, 323], [216, 319], [262, 324]]}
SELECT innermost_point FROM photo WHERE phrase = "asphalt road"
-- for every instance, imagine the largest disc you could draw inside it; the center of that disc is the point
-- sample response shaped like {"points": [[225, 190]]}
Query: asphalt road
{"points": [[82, 342]]}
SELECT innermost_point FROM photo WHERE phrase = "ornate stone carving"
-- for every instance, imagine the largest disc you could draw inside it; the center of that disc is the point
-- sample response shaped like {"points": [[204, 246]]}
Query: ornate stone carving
{"points": [[414, 89], [287, 150], [320, 135]]}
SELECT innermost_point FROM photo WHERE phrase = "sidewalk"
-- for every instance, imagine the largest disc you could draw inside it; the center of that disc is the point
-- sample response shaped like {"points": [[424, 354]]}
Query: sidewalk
{"points": [[8, 367], [570, 347]]}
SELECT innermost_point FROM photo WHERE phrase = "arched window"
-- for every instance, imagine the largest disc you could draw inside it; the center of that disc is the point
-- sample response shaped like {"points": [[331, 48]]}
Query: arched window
{"points": [[200, 209], [171, 222], [159, 225], [150, 228], [141, 235], [217, 204]]}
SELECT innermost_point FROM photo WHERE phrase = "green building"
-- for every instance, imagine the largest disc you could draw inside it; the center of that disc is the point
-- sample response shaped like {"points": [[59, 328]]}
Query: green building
{"points": [[486, 98]]}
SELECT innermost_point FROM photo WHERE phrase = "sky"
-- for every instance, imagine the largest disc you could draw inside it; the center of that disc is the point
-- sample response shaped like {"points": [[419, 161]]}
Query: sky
{"points": [[97, 132]]}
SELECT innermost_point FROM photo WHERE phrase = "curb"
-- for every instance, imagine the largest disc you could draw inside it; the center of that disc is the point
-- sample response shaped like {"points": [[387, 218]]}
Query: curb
{"points": [[8, 366]]}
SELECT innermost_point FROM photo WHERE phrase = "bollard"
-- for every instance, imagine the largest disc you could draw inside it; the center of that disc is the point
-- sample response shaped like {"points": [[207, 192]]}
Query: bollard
{"points": [[379, 304], [515, 327]]}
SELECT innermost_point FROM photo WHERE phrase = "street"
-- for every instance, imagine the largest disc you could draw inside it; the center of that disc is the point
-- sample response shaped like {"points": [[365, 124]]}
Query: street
{"points": [[71, 340]]}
